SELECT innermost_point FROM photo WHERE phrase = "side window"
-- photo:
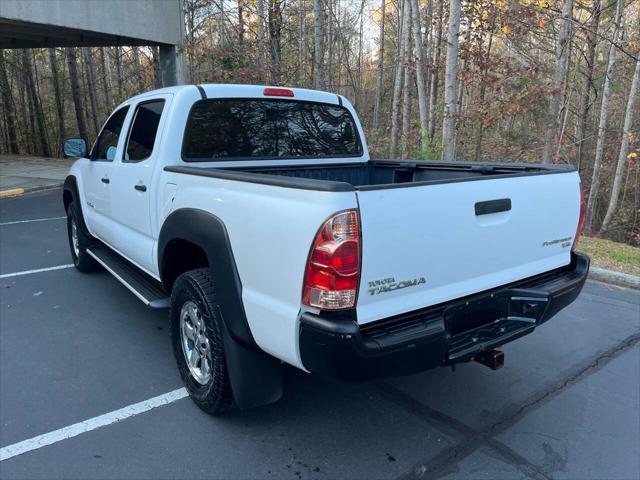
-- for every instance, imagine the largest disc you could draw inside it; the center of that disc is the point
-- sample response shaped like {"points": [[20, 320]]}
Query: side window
{"points": [[144, 128], [107, 143]]}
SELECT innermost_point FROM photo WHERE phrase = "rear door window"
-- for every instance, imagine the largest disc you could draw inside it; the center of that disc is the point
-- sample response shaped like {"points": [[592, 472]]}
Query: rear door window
{"points": [[248, 129], [143, 131]]}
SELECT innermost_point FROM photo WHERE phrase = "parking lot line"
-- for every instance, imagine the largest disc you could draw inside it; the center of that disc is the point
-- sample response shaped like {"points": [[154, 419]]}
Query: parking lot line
{"points": [[29, 221], [90, 424], [37, 270]]}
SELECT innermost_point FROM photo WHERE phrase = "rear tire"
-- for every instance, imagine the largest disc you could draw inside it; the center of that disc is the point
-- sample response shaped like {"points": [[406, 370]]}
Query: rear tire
{"points": [[79, 241], [198, 343]]}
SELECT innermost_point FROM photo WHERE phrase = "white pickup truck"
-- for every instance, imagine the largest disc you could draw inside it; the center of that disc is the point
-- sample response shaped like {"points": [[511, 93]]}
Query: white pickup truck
{"points": [[256, 214]]}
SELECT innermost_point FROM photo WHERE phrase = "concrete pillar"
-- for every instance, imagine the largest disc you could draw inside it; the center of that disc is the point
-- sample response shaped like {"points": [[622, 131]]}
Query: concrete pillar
{"points": [[172, 65]]}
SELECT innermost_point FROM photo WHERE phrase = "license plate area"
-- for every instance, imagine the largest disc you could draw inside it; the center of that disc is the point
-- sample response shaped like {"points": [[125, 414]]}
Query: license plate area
{"points": [[513, 304]]}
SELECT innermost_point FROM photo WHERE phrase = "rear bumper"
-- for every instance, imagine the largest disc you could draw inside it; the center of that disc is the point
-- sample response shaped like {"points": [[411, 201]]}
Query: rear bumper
{"points": [[445, 334]]}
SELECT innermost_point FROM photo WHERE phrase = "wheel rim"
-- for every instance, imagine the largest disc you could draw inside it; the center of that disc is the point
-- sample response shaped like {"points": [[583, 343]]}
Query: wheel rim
{"points": [[195, 344], [74, 238]]}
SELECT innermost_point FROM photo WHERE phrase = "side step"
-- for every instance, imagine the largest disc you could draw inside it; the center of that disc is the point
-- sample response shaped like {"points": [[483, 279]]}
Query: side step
{"points": [[144, 287]]}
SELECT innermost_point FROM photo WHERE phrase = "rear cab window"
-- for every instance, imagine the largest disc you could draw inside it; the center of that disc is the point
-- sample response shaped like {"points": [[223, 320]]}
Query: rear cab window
{"points": [[250, 129]]}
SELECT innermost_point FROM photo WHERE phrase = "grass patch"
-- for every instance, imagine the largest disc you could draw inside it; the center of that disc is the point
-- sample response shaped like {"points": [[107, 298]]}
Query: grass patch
{"points": [[611, 255]]}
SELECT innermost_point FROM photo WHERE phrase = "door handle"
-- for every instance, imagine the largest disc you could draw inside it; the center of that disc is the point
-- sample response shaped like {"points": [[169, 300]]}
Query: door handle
{"points": [[493, 206], [140, 187], [105, 180]]}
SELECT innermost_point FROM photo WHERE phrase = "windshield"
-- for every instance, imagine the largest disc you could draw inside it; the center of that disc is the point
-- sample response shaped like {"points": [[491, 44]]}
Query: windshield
{"points": [[236, 129]]}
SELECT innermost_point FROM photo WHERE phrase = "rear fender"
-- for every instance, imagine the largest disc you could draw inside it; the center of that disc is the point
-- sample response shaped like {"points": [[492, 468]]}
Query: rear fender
{"points": [[256, 378]]}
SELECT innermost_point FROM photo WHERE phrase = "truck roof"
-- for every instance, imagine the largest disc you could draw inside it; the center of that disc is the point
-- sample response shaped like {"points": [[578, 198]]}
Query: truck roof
{"points": [[217, 90]]}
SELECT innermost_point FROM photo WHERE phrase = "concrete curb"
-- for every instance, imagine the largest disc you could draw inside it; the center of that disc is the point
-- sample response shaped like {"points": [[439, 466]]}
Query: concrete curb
{"points": [[616, 278], [16, 192]]}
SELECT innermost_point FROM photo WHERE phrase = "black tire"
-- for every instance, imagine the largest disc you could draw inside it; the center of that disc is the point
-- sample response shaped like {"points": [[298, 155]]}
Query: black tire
{"points": [[81, 259], [213, 397]]}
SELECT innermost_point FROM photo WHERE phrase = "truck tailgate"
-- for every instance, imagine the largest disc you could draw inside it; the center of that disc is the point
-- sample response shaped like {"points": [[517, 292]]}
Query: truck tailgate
{"points": [[427, 244]]}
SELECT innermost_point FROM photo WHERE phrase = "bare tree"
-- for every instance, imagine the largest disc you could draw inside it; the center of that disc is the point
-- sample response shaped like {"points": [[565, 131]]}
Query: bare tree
{"points": [[380, 69], [91, 86], [241, 22], [397, 84], [9, 107], [317, 42], [624, 148], [557, 85], [261, 35], [450, 83], [602, 128], [35, 107], [423, 105], [72, 63], [106, 75], [53, 62], [275, 27], [587, 83], [433, 87]]}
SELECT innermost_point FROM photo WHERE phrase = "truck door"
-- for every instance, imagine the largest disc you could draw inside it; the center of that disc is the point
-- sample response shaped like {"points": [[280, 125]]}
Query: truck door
{"points": [[133, 190], [97, 181]]}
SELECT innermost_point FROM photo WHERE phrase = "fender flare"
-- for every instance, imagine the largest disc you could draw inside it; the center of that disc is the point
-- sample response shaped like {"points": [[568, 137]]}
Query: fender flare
{"points": [[256, 377], [70, 186]]}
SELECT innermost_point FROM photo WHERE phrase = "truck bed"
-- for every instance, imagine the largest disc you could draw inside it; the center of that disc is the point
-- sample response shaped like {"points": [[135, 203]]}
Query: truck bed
{"points": [[372, 175]]}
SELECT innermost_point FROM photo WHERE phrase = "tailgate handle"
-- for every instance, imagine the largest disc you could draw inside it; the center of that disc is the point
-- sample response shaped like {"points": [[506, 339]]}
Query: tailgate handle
{"points": [[493, 206]]}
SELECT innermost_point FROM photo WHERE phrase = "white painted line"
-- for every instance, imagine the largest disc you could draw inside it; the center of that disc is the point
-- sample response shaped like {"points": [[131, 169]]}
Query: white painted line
{"points": [[29, 221], [38, 270], [91, 424]]}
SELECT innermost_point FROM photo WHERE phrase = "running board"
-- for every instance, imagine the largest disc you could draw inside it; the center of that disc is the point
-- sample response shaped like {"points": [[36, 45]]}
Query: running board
{"points": [[142, 285]]}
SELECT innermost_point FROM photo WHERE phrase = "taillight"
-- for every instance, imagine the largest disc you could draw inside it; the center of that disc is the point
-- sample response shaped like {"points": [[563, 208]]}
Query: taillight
{"points": [[583, 213], [333, 268]]}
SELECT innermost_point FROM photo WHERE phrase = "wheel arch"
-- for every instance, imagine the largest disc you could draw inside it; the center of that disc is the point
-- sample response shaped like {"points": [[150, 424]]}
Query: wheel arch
{"points": [[256, 377]]}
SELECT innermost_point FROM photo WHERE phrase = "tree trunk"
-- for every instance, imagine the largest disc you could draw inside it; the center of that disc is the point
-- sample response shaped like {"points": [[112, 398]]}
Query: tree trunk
{"points": [[53, 61], [435, 77], [275, 27], [624, 149], [106, 76], [72, 63], [262, 43], [138, 69], [331, 26], [91, 86], [407, 83], [317, 42], [221, 32], [380, 70], [119, 73], [604, 110], [37, 115], [397, 84], [483, 92], [587, 84], [423, 104], [157, 71], [557, 85], [301, 44], [450, 83], [9, 107], [241, 22]]}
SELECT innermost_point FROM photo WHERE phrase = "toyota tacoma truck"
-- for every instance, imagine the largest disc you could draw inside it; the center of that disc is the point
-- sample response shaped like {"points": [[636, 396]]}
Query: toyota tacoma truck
{"points": [[256, 215]]}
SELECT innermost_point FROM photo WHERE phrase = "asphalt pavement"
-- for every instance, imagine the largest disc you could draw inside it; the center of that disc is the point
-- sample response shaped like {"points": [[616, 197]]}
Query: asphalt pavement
{"points": [[77, 346]]}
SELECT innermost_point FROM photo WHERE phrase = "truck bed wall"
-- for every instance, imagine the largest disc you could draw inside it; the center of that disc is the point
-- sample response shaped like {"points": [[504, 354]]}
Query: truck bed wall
{"points": [[397, 172]]}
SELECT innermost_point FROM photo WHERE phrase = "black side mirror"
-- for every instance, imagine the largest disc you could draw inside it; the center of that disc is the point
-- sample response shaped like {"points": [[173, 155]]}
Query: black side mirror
{"points": [[74, 148]]}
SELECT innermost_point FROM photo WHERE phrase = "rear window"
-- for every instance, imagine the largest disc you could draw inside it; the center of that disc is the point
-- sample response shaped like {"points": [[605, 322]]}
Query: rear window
{"points": [[245, 129]]}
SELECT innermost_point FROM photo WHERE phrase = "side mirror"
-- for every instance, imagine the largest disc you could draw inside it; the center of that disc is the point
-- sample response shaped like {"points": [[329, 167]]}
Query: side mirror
{"points": [[74, 148]]}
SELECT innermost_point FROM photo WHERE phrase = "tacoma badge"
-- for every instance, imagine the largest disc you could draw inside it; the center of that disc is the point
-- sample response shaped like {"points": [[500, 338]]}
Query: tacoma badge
{"points": [[389, 284]]}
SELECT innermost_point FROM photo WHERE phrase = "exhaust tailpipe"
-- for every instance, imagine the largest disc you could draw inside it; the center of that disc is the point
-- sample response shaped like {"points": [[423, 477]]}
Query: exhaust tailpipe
{"points": [[494, 359]]}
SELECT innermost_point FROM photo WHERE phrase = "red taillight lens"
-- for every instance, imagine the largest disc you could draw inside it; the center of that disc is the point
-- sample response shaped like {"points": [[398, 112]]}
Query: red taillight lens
{"points": [[278, 92], [333, 269], [583, 213]]}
